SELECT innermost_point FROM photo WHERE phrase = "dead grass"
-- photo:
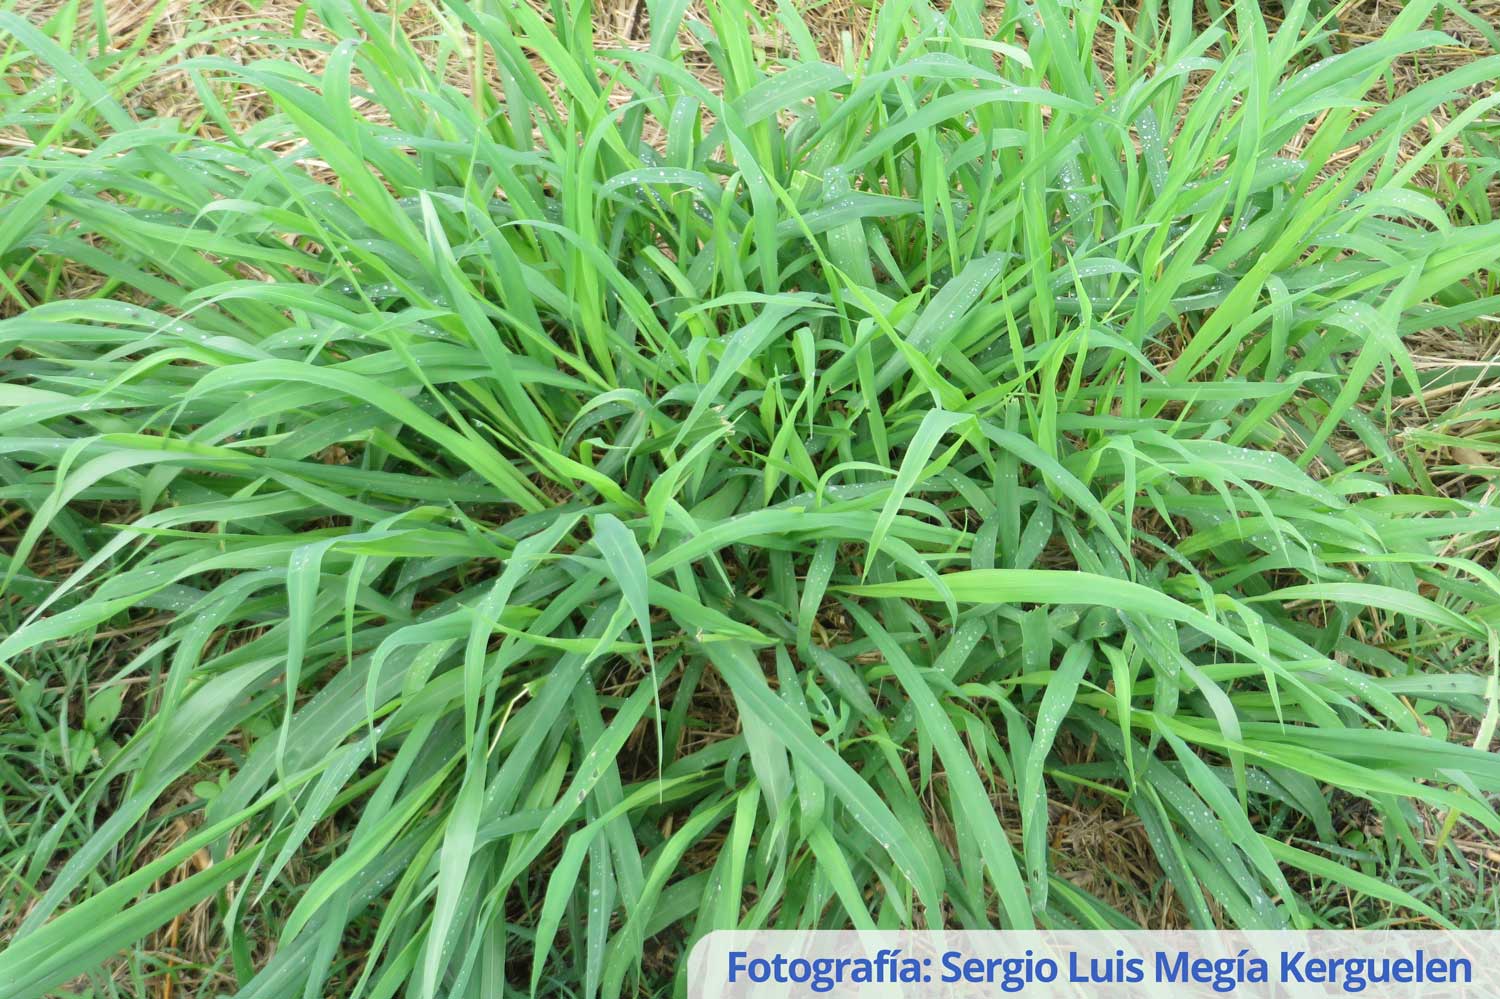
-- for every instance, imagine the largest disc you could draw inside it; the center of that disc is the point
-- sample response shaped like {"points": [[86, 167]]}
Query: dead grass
{"points": [[838, 27]]}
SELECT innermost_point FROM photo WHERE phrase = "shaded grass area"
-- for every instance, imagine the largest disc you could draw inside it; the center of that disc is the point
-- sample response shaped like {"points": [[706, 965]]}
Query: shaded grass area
{"points": [[495, 492]]}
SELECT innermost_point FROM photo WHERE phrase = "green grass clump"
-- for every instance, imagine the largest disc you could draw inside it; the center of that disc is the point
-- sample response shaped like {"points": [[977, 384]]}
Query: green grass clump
{"points": [[577, 507]]}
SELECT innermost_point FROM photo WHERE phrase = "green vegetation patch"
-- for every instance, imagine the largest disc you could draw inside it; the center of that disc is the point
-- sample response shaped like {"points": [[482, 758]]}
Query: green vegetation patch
{"points": [[519, 504]]}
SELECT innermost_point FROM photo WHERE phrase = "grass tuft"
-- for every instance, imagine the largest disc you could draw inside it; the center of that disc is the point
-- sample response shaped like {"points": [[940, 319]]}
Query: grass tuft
{"points": [[507, 507]]}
